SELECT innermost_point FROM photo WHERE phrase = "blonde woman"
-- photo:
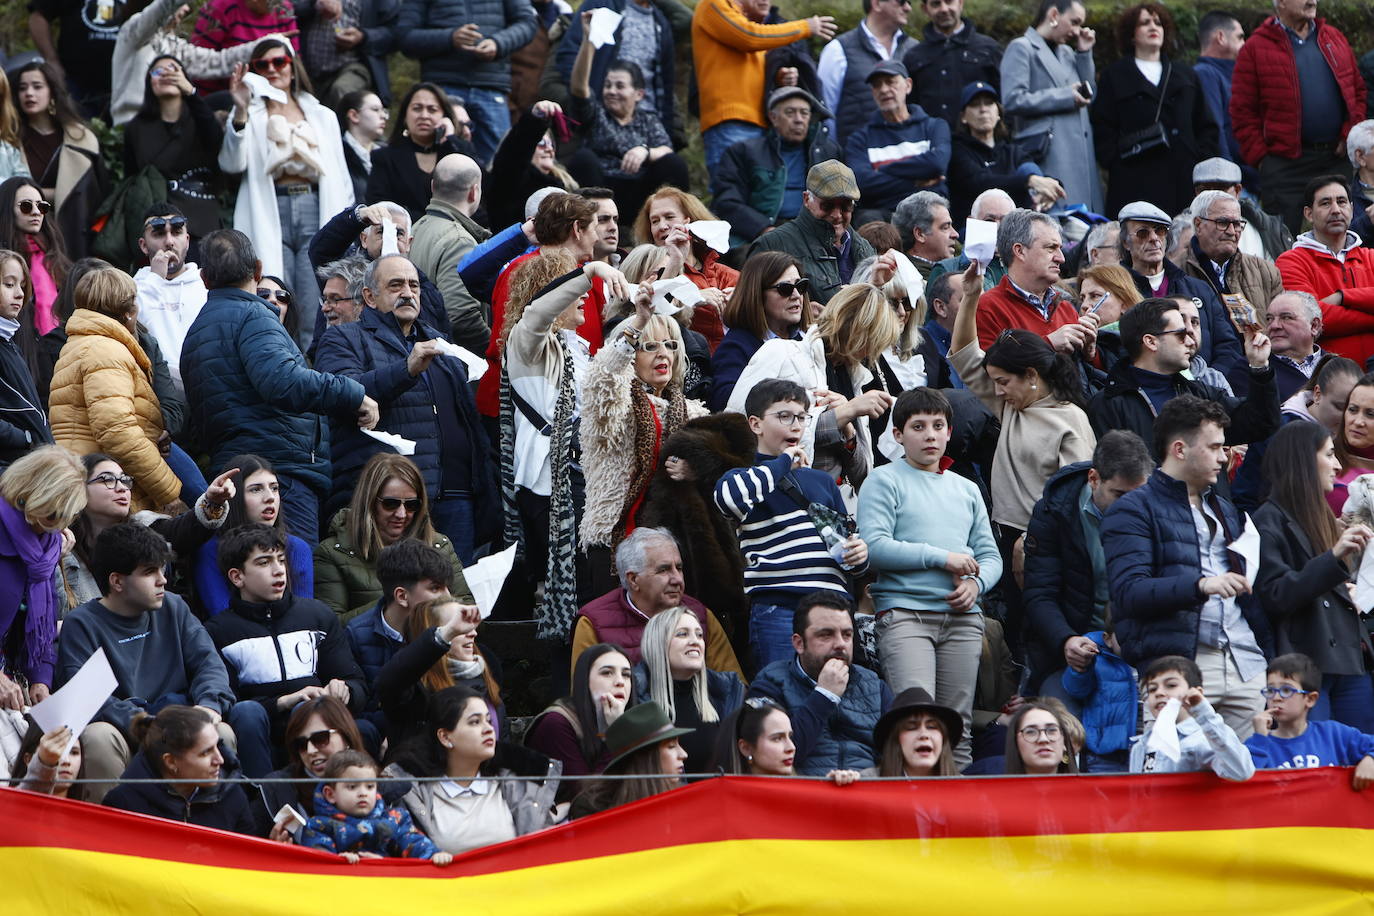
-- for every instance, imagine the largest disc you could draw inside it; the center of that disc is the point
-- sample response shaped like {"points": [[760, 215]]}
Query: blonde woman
{"points": [[647, 263], [389, 503], [102, 397], [12, 160], [674, 675], [1108, 292], [40, 495]]}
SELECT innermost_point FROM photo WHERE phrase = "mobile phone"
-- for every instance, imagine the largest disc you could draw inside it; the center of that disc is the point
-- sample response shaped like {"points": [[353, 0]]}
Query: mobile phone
{"points": [[1098, 304], [440, 133], [1085, 89]]}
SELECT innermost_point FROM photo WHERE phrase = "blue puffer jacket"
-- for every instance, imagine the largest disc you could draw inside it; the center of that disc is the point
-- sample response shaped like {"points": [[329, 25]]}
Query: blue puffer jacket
{"points": [[426, 30], [828, 737], [1154, 564], [249, 390], [1107, 690], [372, 351]]}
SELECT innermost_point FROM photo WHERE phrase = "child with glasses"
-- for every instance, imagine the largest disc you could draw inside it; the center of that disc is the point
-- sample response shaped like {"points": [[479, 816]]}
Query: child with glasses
{"points": [[1205, 741], [1284, 738]]}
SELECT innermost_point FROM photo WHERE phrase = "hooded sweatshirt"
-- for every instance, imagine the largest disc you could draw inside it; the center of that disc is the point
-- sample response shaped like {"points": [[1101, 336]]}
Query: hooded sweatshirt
{"points": [[891, 160], [1311, 267], [167, 308]]}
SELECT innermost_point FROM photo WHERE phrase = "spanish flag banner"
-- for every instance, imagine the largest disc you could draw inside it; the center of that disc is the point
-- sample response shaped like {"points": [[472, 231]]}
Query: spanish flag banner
{"points": [[1290, 842]]}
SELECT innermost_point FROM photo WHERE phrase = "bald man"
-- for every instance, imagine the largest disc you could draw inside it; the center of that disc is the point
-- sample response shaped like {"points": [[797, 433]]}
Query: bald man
{"points": [[444, 235]]}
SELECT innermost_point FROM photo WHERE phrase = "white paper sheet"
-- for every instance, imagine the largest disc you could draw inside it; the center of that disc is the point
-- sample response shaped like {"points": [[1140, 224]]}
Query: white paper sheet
{"points": [[76, 704], [1248, 546], [1164, 733], [477, 365], [980, 242], [1364, 582], [909, 275], [389, 246], [604, 23], [263, 89], [683, 291], [486, 577], [402, 446], [714, 232]]}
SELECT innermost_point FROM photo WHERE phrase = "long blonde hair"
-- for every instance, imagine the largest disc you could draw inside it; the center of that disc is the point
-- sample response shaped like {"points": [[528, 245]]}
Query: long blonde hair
{"points": [[908, 335], [9, 117], [362, 527], [47, 483], [653, 647], [857, 325]]}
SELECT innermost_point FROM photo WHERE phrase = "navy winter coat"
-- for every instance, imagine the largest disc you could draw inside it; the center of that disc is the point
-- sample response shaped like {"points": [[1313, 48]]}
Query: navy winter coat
{"points": [[828, 737], [223, 806], [1220, 346], [1059, 588], [249, 390], [915, 150], [426, 31], [1154, 563]]}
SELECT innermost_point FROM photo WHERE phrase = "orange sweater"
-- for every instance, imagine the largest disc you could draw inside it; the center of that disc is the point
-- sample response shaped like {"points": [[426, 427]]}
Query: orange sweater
{"points": [[728, 50]]}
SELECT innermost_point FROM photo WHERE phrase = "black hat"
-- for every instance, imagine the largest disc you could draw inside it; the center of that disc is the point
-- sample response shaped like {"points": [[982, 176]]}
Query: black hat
{"points": [[889, 67], [639, 726], [916, 699]]}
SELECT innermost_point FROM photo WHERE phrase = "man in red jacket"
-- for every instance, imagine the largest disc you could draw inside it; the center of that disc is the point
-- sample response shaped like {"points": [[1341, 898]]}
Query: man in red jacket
{"points": [[1296, 93], [1329, 263]]}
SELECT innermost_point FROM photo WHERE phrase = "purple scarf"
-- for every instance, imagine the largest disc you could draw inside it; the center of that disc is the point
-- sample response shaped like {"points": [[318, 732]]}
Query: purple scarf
{"points": [[39, 554]]}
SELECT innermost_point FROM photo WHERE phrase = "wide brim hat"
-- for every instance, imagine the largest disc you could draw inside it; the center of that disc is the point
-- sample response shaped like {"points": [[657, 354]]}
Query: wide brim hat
{"points": [[638, 727], [916, 699]]}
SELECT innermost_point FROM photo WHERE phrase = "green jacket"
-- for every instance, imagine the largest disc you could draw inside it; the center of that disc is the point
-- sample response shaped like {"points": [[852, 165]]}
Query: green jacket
{"points": [[812, 242], [348, 583], [441, 238]]}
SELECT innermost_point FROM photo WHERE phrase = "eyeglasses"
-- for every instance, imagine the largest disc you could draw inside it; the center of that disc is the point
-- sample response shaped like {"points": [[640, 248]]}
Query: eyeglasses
{"points": [[1034, 732], [787, 417], [1283, 693], [834, 203], [1180, 332], [902, 305], [787, 288], [111, 482], [651, 346], [265, 64], [1226, 225], [27, 207], [280, 295], [392, 503], [160, 224], [332, 299], [319, 739]]}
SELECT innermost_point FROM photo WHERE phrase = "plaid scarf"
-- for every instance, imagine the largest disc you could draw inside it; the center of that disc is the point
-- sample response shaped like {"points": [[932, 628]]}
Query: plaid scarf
{"points": [[559, 610]]}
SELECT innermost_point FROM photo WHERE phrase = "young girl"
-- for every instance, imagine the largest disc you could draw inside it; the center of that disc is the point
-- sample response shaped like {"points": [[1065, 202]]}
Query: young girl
{"points": [[48, 765], [913, 736], [756, 739], [1036, 742]]}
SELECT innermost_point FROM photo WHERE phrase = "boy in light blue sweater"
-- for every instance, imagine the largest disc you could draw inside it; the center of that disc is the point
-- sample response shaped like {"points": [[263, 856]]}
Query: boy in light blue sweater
{"points": [[930, 541]]}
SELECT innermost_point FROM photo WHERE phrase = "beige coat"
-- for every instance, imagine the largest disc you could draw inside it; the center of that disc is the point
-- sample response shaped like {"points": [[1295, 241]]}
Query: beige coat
{"points": [[102, 400], [1255, 278]]}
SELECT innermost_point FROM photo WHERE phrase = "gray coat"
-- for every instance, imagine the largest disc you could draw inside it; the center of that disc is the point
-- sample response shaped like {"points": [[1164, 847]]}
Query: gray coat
{"points": [[426, 30], [530, 803], [1037, 96]]}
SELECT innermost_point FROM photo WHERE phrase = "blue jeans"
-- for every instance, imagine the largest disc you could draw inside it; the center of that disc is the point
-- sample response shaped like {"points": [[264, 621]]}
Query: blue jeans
{"points": [[490, 118], [724, 135], [301, 507], [188, 472], [770, 633], [453, 517], [1347, 698], [253, 728], [300, 220]]}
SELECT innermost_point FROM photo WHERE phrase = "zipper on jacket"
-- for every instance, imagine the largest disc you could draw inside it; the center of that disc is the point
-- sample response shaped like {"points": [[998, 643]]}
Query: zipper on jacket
{"points": [[276, 644]]}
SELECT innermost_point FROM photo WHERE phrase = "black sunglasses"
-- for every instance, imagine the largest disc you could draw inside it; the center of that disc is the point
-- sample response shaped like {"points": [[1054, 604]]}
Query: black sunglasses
{"points": [[786, 288], [392, 503], [158, 224], [27, 207], [319, 739], [280, 295]]}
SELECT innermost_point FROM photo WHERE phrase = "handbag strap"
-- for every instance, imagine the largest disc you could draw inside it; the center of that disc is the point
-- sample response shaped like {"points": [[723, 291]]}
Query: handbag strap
{"points": [[1163, 87]]}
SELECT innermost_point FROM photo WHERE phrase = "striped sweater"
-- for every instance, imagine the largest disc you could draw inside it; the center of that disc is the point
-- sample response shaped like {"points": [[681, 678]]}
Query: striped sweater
{"points": [[784, 555]]}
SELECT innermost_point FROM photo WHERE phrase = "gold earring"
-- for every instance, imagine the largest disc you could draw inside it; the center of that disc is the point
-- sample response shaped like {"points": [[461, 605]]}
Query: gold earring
{"points": [[52, 107]]}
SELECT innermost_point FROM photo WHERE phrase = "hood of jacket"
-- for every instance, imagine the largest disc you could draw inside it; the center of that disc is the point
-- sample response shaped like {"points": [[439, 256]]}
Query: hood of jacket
{"points": [[1308, 241], [88, 323]]}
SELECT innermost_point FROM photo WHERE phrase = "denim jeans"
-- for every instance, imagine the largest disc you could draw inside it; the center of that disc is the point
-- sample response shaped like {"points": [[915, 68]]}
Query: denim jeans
{"points": [[490, 118], [770, 633], [300, 220], [253, 728], [301, 507], [452, 516], [188, 472], [724, 135], [1347, 698]]}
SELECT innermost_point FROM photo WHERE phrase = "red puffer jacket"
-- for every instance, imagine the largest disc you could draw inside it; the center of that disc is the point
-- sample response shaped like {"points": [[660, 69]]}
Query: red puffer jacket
{"points": [[1266, 103], [1348, 328]]}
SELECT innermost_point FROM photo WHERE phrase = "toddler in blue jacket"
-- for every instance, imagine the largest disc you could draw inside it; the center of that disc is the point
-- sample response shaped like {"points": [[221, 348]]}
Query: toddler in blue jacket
{"points": [[1285, 739], [1107, 690], [351, 820]]}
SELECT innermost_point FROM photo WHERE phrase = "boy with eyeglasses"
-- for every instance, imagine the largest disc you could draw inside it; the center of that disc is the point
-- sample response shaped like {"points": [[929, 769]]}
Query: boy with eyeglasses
{"points": [[1204, 740], [776, 505], [1284, 738]]}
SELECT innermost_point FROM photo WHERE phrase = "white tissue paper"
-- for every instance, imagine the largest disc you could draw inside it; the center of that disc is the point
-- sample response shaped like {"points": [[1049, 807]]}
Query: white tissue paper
{"points": [[1164, 733], [980, 242], [486, 577], [402, 446], [265, 90], [604, 23], [909, 275], [1248, 546], [714, 232], [389, 246], [476, 365], [1364, 582], [674, 294]]}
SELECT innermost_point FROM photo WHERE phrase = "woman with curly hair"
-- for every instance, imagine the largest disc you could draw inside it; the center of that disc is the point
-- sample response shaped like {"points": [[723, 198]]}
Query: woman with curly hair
{"points": [[664, 220]]}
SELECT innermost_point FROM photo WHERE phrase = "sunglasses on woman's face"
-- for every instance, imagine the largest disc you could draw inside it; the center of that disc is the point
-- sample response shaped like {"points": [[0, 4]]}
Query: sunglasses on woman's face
{"points": [[267, 64], [651, 346], [280, 295], [392, 503], [27, 207], [319, 739], [786, 289]]}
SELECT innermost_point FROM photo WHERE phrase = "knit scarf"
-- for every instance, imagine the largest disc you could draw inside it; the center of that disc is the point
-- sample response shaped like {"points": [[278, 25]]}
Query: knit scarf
{"points": [[8, 328], [465, 671], [560, 585], [647, 439], [512, 530], [39, 554], [44, 289]]}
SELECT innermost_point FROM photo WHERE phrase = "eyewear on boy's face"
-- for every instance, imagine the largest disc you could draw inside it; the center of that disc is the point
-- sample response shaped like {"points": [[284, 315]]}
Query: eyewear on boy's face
{"points": [[788, 417], [1285, 692]]}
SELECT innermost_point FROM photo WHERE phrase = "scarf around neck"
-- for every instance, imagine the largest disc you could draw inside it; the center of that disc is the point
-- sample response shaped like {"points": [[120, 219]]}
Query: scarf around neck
{"points": [[39, 555]]}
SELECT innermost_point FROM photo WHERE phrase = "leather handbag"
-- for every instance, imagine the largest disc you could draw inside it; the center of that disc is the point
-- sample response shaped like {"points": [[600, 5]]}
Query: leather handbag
{"points": [[1137, 143]]}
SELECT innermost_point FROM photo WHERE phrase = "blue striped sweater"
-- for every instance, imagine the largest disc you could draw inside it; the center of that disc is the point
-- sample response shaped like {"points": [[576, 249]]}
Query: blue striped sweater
{"points": [[784, 555]]}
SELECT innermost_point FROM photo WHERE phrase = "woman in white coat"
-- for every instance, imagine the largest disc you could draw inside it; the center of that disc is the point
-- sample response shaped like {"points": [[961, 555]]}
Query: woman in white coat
{"points": [[288, 149]]}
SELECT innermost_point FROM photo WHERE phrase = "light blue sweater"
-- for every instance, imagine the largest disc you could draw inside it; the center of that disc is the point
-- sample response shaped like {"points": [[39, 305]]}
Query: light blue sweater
{"points": [[912, 521]]}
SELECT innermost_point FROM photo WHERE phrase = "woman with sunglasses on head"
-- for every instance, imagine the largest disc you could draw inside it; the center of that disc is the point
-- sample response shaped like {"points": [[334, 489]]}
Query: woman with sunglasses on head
{"points": [[59, 146], [572, 729], [769, 300], [291, 156], [318, 729], [632, 401], [389, 503], [756, 740], [256, 499], [1037, 742], [664, 220], [178, 134], [29, 229], [421, 136]]}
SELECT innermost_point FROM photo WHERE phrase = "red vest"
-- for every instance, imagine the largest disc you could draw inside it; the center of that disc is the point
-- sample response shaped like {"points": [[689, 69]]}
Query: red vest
{"points": [[620, 625]]}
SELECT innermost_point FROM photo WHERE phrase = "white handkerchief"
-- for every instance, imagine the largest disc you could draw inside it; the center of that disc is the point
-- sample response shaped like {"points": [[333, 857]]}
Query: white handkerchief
{"points": [[1164, 733], [604, 23], [1248, 546], [910, 276], [477, 365], [486, 576], [263, 89], [980, 242], [714, 232], [76, 704], [389, 246], [674, 294], [1364, 582], [402, 446]]}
